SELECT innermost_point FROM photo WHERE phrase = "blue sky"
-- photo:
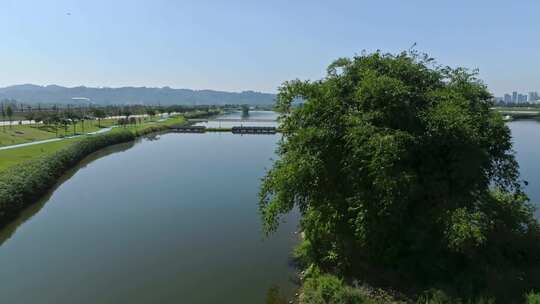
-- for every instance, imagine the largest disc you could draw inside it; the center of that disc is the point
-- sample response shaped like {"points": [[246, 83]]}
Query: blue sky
{"points": [[256, 45]]}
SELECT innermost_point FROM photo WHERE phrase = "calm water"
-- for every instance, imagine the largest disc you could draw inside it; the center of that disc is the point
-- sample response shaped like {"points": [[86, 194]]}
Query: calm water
{"points": [[172, 219], [526, 134], [168, 219], [253, 115]]}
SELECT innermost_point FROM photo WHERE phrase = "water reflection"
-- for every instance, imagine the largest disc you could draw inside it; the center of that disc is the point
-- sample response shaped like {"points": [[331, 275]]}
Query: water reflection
{"points": [[274, 296], [525, 135], [173, 220], [7, 232], [253, 115]]}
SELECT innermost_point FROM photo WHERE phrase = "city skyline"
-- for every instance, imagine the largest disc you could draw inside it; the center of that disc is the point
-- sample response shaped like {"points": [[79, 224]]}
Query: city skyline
{"points": [[518, 97]]}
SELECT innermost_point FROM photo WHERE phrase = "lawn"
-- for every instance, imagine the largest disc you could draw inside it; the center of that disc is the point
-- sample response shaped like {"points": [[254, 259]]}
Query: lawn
{"points": [[19, 134], [12, 157]]}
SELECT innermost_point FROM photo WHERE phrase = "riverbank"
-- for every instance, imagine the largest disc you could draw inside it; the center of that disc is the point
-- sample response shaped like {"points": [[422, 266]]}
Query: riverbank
{"points": [[11, 157], [29, 172], [518, 113], [27, 133]]}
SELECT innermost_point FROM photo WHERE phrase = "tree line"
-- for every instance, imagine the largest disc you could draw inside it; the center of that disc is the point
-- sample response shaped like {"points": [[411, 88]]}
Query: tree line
{"points": [[63, 117]]}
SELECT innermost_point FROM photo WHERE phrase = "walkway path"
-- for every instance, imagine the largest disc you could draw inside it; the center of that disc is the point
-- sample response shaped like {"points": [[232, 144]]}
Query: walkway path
{"points": [[165, 117], [54, 139]]}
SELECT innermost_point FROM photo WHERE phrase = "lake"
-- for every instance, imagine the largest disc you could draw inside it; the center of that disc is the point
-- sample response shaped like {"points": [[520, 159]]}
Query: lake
{"points": [[171, 218]]}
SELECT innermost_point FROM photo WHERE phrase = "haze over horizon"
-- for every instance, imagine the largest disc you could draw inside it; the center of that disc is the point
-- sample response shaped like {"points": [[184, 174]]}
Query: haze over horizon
{"points": [[237, 46], [127, 86]]}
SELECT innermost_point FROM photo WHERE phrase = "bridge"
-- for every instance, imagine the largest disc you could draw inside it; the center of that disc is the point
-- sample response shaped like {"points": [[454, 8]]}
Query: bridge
{"points": [[234, 130], [188, 129], [231, 120], [245, 128], [254, 130]]}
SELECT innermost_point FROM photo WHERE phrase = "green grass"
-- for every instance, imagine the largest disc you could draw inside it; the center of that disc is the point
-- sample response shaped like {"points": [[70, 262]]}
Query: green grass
{"points": [[509, 109], [19, 134], [16, 156], [11, 157]]}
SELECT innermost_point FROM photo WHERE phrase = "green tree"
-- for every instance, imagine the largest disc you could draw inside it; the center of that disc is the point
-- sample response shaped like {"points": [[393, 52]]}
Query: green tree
{"points": [[9, 113], [127, 113], [39, 117], [99, 114], [398, 164], [150, 112], [73, 118], [3, 112], [55, 120], [245, 110], [29, 116], [65, 122]]}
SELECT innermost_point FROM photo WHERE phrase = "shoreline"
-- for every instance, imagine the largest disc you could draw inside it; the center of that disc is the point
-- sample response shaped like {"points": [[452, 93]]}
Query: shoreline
{"points": [[22, 185]]}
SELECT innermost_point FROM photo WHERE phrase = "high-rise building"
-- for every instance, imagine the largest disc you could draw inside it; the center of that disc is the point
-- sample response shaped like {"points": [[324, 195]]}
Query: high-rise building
{"points": [[533, 96], [522, 98], [507, 98], [514, 97]]}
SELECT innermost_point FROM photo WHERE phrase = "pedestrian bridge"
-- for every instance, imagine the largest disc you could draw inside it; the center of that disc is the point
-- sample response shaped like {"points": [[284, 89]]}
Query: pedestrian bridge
{"points": [[231, 120], [234, 130]]}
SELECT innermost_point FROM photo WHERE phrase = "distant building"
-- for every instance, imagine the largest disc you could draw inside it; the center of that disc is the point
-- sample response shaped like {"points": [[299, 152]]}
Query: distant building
{"points": [[514, 97], [522, 98], [507, 98], [533, 96]]}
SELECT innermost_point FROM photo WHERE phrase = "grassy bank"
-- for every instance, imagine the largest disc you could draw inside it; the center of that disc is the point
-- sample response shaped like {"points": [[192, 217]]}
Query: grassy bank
{"points": [[12, 157], [29, 172], [20, 134], [17, 156], [324, 288], [517, 113]]}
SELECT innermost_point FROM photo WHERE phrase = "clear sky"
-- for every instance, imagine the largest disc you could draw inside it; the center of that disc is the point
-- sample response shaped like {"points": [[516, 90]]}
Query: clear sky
{"points": [[255, 45]]}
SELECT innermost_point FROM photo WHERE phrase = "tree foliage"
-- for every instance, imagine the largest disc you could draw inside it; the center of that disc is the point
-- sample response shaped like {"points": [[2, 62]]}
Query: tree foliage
{"points": [[399, 164], [9, 114]]}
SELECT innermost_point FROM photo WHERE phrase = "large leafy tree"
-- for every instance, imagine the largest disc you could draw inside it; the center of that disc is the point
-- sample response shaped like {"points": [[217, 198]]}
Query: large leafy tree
{"points": [[398, 164]]}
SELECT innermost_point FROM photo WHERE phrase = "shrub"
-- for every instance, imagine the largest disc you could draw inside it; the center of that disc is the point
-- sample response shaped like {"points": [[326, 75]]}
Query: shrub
{"points": [[436, 296], [533, 298], [328, 289]]}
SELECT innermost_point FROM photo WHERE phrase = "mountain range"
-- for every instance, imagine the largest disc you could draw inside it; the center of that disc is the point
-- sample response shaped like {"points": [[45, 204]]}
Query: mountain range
{"points": [[54, 94]]}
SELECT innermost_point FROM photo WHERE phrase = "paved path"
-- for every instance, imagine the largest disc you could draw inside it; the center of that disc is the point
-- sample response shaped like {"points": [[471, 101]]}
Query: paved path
{"points": [[31, 122], [53, 139], [104, 130]]}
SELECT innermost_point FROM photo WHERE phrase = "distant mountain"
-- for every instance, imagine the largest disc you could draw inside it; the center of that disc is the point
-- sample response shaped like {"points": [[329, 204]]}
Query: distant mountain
{"points": [[54, 94]]}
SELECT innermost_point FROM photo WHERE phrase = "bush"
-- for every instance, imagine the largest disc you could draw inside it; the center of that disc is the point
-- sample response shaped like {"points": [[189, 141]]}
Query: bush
{"points": [[533, 298], [436, 296], [328, 289]]}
